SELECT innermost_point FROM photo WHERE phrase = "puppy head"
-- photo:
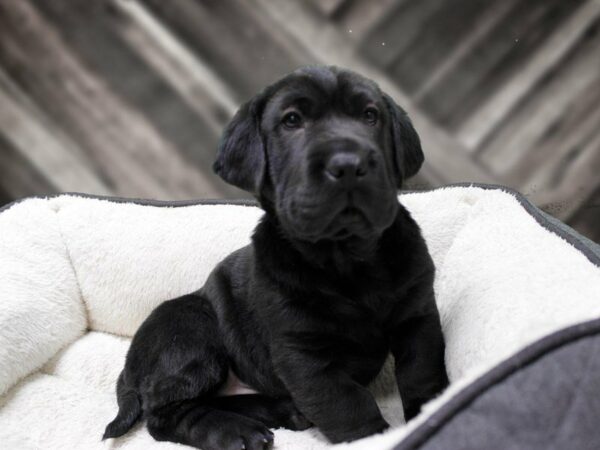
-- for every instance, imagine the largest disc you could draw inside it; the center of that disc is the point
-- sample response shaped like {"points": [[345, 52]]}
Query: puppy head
{"points": [[326, 150]]}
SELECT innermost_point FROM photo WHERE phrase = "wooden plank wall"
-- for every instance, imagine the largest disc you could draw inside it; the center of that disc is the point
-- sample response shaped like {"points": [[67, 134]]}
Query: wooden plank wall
{"points": [[128, 97]]}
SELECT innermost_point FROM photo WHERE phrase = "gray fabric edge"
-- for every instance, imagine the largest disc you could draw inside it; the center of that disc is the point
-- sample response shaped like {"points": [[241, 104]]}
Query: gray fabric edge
{"points": [[462, 400], [550, 404], [593, 246]]}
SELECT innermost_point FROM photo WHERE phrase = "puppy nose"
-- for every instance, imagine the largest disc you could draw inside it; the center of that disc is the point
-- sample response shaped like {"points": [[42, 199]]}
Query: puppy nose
{"points": [[346, 167]]}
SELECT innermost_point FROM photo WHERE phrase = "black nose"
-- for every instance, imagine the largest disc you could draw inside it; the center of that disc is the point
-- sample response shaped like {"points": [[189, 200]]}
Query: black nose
{"points": [[347, 167]]}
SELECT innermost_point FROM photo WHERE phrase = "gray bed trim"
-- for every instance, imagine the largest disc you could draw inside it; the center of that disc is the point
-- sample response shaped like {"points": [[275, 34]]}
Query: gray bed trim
{"points": [[550, 404], [526, 357]]}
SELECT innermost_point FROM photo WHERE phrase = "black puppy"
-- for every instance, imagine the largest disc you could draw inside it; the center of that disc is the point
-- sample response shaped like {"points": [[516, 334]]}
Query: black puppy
{"points": [[337, 276]]}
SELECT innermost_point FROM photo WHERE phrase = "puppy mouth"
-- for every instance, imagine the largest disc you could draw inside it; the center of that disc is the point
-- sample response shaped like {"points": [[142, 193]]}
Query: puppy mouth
{"points": [[350, 221], [349, 218], [337, 215], [336, 224]]}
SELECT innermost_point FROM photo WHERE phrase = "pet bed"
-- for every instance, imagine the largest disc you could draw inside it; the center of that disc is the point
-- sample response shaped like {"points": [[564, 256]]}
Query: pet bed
{"points": [[518, 294]]}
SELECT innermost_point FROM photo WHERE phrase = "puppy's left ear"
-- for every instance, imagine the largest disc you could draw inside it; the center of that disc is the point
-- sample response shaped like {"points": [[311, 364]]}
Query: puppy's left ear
{"points": [[241, 155], [408, 154]]}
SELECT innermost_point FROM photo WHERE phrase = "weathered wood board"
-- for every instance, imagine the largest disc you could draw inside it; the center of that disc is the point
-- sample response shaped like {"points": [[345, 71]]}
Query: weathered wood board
{"points": [[128, 97]]}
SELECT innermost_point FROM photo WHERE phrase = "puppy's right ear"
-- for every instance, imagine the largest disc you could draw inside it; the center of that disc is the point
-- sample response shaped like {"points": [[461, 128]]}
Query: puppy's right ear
{"points": [[407, 144], [241, 154]]}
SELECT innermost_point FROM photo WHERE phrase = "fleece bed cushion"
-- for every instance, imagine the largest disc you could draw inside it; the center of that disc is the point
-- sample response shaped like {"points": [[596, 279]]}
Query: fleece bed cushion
{"points": [[518, 294]]}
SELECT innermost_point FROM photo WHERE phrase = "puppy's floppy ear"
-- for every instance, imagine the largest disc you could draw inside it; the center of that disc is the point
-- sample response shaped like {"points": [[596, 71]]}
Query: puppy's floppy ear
{"points": [[408, 154], [241, 155]]}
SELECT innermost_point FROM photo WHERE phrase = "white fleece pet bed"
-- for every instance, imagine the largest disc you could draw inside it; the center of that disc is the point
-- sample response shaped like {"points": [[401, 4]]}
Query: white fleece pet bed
{"points": [[518, 294]]}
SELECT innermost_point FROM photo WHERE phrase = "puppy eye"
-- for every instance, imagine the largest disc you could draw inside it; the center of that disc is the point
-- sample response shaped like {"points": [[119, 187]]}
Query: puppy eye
{"points": [[371, 115], [292, 120]]}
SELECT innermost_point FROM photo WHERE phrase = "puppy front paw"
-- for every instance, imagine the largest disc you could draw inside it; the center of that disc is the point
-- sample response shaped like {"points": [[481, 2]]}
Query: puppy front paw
{"points": [[297, 422], [293, 419], [242, 434]]}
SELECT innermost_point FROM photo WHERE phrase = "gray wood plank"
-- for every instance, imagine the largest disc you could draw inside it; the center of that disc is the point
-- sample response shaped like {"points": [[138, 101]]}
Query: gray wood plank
{"points": [[396, 30], [477, 32], [571, 176], [440, 34], [195, 81], [361, 17], [32, 139], [133, 157], [329, 8], [5, 197], [93, 31], [578, 122], [524, 140], [495, 60], [489, 115], [18, 178], [230, 37], [587, 219]]}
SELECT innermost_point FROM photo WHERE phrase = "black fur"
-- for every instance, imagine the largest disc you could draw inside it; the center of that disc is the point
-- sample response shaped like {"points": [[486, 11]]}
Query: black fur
{"points": [[337, 276]]}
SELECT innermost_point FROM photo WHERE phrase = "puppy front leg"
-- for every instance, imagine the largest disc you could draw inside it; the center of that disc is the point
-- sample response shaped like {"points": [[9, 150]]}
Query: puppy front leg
{"points": [[418, 348], [340, 407]]}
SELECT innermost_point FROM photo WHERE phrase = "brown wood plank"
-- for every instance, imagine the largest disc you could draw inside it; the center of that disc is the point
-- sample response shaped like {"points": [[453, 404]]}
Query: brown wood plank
{"points": [[494, 60], [230, 37], [496, 108], [133, 157]]}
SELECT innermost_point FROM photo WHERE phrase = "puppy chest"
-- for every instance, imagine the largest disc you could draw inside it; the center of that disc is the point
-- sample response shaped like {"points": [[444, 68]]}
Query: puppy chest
{"points": [[361, 355], [358, 348]]}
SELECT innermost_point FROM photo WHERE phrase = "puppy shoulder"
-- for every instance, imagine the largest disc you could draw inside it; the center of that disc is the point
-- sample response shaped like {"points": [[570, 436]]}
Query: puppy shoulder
{"points": [[230, 273]]}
